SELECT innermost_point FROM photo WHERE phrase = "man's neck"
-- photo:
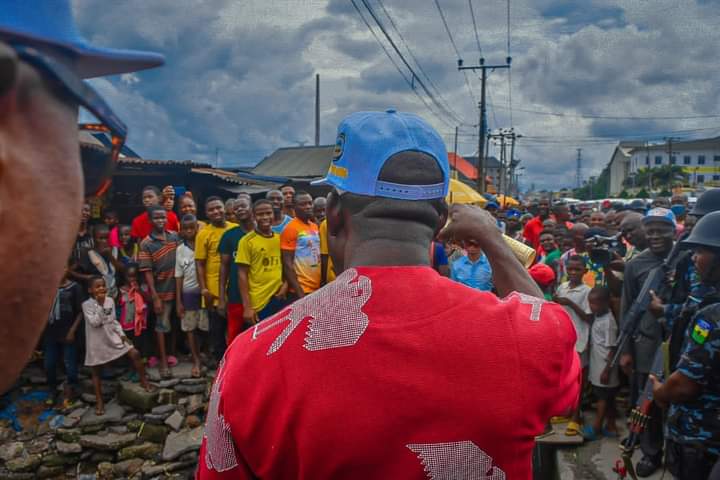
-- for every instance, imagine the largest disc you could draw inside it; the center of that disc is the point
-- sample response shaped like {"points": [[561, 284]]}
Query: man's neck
{"points": [[219, 224], [190, 243], [474, 257], [247, 224], [382, 252], [159, 233], [574, 284], [264, 233]]}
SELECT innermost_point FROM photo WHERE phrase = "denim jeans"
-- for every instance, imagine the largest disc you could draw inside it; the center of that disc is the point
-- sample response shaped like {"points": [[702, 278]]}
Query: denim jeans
{"points": [[52, 356]]}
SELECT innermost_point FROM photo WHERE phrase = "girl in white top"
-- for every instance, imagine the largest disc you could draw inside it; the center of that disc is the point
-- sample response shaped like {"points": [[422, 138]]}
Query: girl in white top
{"points": [[104, 338]]}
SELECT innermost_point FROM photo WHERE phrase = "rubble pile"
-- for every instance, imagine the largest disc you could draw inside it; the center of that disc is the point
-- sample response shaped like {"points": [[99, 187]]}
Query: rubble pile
{"points": [[141, 435]]}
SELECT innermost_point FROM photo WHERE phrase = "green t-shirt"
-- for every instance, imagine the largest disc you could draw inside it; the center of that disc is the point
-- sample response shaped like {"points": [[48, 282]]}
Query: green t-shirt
{"points": [[228, 246]]}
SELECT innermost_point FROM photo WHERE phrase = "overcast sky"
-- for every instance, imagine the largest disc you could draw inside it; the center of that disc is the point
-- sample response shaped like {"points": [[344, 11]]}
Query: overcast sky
{"points": [[239, 78]]}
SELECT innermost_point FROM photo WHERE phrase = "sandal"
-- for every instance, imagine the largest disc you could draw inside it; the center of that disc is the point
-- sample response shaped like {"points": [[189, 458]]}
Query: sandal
{"points": [[573, 429], [195, 372], [172, 360], [99, 411]]}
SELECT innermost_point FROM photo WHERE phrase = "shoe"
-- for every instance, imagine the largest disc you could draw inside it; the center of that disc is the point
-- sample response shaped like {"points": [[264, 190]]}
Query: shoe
{"points": [[172, 360], [646, 467], [589, 433], [573, 428]]}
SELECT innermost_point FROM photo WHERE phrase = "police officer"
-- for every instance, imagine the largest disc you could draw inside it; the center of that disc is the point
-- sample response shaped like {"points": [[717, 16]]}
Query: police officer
{"points": [[684, 281], [693, 390]]}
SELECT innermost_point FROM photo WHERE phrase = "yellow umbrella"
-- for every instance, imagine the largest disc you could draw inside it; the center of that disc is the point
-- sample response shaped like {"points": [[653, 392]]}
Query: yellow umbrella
{"points": [[505, 201], [461, 193]]}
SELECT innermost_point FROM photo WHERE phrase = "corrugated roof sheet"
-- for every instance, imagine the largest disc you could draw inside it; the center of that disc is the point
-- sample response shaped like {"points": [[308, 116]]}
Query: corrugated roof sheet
{"points": [[145, 161], [297, 162]]}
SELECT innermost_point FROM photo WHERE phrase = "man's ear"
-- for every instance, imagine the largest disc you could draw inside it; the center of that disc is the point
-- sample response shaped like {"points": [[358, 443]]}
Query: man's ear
{"points": [[9, 65], [334, 215], [442, 217]]}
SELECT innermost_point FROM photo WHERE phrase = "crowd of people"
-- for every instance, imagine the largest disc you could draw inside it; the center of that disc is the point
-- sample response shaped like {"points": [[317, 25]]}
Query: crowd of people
{"points": [[168, 271]]}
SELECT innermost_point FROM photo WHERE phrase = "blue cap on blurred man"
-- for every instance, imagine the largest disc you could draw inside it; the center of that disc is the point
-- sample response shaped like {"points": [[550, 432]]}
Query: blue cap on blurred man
{"points": [[366, 140], [50, 24]]}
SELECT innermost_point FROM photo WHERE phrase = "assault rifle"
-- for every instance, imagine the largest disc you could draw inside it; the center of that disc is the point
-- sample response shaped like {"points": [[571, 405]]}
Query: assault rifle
{"points": [[631, 319], [639, 417]]}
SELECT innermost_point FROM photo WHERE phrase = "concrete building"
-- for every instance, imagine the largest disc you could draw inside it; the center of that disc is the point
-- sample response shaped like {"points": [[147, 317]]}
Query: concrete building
{"points": [[700, 159], [620, 166]]}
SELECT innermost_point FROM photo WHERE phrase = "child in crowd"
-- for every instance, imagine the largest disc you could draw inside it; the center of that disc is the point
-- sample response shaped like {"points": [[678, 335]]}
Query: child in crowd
{"points": [[157, 264], [63, 321], [104, 338], [188, 300], [549, 253], [544, 276], [111, 219], [605, 382], [134, 301], [128, 250], [573, 295]]}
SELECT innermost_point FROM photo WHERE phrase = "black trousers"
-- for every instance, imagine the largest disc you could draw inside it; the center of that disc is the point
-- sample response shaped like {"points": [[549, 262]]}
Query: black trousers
{"points": [[651, 439], [687, 462], [218, 329]]}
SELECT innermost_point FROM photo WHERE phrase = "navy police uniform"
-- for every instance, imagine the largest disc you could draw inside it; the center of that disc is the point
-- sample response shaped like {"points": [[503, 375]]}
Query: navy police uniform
{"points": [[693, 427]]}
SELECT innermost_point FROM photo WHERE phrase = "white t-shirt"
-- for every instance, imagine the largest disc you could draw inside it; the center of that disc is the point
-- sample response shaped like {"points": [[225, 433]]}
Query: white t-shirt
{"points": [[185, 268], [579, 296], [603, 336]]}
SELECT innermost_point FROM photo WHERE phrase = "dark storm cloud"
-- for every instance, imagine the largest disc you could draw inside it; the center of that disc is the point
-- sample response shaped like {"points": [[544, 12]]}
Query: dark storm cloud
{"points": [[240, 75]]}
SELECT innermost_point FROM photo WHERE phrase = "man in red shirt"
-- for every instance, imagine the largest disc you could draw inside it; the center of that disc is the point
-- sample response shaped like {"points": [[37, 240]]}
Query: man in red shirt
{"points": [[141, 225], [391, 370], [532, 229]]}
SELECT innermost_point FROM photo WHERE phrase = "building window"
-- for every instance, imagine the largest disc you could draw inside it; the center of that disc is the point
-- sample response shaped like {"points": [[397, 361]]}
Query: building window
{"points": [[716, 158], [686, 160], [701, 159], [647, 160], [701, 179], [673, 160], [716, 177], [658, 160]]}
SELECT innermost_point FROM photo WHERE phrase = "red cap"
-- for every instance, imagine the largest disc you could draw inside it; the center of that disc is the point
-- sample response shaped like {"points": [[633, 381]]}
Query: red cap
{"points": [[542, 274]]}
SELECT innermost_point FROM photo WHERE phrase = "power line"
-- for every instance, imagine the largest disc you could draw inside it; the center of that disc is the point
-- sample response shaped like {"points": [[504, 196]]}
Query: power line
{"points": [[477, 37], [456, 116], [457, 52], [400, 71], [510, 105], [612, 117]]}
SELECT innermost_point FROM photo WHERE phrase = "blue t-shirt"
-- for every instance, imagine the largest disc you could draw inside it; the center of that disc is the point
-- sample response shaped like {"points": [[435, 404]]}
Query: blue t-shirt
{"points": [[439, 256], [228, 246], [279, 228], [477, 275]]}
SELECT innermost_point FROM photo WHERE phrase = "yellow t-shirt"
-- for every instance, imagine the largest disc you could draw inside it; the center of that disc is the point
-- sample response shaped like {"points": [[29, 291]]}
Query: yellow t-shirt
{"points": [[206, 248], [262, 255], [324, 250]]}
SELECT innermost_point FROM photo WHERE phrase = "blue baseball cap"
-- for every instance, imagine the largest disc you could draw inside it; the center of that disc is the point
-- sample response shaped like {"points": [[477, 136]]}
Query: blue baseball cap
{"points": [[366, 140], [491, 204], [50, 23], [659, 214]]}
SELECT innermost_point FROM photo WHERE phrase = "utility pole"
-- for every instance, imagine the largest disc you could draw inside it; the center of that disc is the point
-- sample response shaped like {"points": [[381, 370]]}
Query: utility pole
{"points": [[455, 174], [317, 109], [483, 114], [578, 169]]}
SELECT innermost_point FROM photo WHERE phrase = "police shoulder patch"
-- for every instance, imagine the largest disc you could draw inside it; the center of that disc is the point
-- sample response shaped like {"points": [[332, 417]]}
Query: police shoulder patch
{"points": [[701, 330]]}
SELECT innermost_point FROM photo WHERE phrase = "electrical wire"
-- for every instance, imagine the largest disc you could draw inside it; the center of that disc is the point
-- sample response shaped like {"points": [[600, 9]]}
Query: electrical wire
{"points": [[400, 71], [477, 37], [612, 117], [510, 105], [454, 45], [455, 115]]}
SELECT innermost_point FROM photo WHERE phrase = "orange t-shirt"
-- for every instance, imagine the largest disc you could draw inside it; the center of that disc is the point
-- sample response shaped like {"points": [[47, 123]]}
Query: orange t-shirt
{"points": [[304, 239]]}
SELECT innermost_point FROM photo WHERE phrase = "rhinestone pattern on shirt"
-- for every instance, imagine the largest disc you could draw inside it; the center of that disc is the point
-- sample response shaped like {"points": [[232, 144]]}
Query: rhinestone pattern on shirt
{"points": [[335, 315], [525, 299], [220, 451], [456, 461]]}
